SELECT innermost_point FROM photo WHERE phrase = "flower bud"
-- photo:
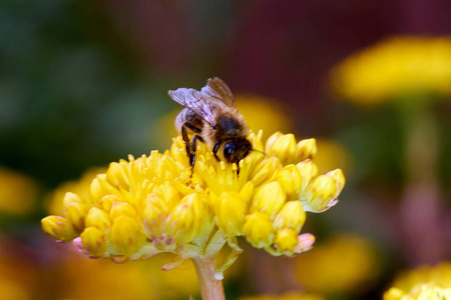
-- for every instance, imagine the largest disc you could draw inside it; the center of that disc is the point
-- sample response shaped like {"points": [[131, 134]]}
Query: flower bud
{"points": [[94, 241], [271, 140], [154, 212], [58, 227], [122, 209], [106, 203], [75, 214], [286, 240], [171, 194], [308, 171], [116, 175], [284, 148], [186, 218], [265, 170], [246, 192], [127, 235], [230, 214], [269, 198], [95, 190], [98, 218], [69, 198], [291, 181], [292, 215], [256, 140], [305, 149], [305, 242], [340, 180], [320, 194], [258, 230]]}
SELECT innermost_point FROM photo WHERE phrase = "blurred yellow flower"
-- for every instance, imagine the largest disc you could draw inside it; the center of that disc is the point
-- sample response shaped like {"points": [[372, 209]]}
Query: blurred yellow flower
{"points": [[18, 193], [145, 280], [345, 263], [287, 296], [422, 283], [158, 203], [260, 113], [397, 66], [72, 276], [264, 114], [332, 154]]}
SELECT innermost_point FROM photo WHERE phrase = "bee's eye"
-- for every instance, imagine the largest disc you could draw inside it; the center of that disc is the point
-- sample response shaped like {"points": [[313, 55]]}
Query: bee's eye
{"points": [[229, 148]]}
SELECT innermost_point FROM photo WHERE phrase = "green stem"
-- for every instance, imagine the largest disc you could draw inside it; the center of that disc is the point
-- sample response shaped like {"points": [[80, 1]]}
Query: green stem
{"points": [[211, 288]]}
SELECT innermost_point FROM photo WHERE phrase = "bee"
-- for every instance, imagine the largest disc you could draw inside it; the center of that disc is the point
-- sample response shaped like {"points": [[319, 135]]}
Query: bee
{"points": [[210, 116]]}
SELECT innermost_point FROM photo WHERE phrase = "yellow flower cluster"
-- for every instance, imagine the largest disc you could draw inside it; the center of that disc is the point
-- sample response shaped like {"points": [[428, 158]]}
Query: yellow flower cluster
{"points": [[158, 203], [422, 283], [401, 65]]}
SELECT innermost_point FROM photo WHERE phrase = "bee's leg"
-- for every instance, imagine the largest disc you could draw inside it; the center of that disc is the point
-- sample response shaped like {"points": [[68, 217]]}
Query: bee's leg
{"points": [[187, 142], [192, 157], [215, 149], [192, 127]]}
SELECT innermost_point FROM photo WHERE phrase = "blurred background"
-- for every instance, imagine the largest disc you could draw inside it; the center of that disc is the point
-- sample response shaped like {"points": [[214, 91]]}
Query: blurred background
{"points": [[84, 83]]}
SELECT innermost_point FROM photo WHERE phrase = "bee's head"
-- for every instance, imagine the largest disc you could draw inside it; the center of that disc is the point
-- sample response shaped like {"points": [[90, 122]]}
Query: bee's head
{"points": [[236, 149]]}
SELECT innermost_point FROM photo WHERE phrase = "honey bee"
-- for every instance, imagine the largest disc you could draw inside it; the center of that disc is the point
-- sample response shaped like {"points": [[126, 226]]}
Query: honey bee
{"points": [[210, 116]]}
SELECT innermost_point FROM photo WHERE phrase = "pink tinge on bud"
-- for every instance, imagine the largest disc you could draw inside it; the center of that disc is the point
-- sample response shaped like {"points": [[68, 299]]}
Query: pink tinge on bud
{"points": [[328, 206], [119, 260], [79, 246], [306, 241], [332, 203]]}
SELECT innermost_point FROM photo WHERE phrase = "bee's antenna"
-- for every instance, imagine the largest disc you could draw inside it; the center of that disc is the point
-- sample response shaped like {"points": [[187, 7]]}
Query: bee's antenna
{"points": [[259, 151]]}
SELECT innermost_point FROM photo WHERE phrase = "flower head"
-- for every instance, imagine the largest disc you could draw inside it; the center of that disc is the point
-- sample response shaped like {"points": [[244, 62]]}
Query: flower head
{"points": [[153, 204], [394, 67], [422, 283]]}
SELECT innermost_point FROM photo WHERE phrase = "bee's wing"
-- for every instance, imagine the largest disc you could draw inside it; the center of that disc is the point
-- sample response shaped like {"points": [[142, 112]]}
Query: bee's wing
{"points": [[196, 101], [218, 90]]}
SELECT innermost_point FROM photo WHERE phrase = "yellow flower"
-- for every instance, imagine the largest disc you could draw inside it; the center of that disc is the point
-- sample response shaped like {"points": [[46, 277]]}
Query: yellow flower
{"points": [[155, 204], [394, 67], [422, 283], [345, 263], [18, 193]]}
